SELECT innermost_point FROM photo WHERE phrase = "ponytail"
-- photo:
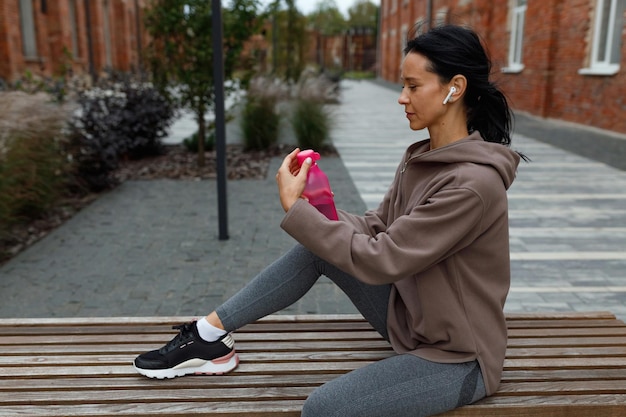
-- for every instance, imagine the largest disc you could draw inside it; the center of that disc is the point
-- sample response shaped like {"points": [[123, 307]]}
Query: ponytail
{"points": [[489, 113]]}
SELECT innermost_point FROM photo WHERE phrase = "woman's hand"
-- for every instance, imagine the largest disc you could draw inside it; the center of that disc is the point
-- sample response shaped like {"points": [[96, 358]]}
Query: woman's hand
{"points": [[291, 179]]}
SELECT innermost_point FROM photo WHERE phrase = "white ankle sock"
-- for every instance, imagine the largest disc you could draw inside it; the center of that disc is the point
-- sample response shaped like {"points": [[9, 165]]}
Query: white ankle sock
{"points": [[207, 331]]}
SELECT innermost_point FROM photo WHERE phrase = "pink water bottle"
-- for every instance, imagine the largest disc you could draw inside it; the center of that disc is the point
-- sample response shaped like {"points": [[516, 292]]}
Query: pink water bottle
{"points": [[317, 188]]}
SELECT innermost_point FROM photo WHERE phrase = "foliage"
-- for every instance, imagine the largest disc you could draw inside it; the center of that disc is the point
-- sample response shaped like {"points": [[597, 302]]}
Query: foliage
{"points": [[59, 87], [181, 53], [29, 83], [311, 123], [363, 14], [32, 164], [260, 118], [310, 119], [327, 19], [359, 75], [289, 40], [120, 119], [260, 122], [191, 143]]}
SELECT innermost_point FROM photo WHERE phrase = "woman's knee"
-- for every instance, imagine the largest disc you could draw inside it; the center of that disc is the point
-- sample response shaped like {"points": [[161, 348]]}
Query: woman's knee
{"points": [[319, 403]]}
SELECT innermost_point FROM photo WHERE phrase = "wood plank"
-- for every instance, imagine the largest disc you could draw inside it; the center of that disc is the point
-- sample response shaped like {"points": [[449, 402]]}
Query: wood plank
{"points": [[567, 341], [266, 357], [561, 315], [540, 374], [566, 351], [135, 382], [140, 346], [290, 408], [563, 388], [565, 332], [126, 396], [565, 363], [89, 370]]}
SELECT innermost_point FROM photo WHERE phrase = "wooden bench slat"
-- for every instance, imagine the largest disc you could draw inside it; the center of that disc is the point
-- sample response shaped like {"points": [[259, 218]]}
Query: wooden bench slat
{"points": [[291, 408], [565, 363], [556, 352], [563, 332], [155, 395], [118, 370], [598, 340], [562, 388], [542, 374], [133, 382], [140, 346], [158, 340], [563, 324], [560, 315], [252, 357]]}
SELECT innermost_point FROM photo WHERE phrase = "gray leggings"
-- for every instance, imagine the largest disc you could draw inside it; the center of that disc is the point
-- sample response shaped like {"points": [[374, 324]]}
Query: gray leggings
{"points": [[402, 385]]}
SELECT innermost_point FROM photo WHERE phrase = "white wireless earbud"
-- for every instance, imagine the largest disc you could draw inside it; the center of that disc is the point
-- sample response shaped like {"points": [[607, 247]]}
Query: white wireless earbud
{"points": [[452, 91]]}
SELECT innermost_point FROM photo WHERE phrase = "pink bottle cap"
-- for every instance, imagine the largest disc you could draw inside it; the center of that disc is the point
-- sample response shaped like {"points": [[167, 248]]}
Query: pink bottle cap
{"points": [[308, 153]]}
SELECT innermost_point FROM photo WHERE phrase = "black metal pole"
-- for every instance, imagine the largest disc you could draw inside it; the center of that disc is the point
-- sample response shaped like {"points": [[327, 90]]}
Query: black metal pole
{"points": [[220, 128]]}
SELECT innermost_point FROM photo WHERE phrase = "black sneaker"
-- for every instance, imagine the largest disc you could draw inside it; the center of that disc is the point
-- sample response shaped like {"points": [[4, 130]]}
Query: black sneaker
{"points": [[188, 353]]}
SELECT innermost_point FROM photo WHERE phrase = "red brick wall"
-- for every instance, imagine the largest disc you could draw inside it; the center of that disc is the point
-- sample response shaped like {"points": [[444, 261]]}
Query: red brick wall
{"points": [[556, 46], [54, 37]]}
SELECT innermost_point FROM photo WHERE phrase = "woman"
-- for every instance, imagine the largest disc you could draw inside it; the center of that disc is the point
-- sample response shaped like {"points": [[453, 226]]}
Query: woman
{"points": [[429, 269]]}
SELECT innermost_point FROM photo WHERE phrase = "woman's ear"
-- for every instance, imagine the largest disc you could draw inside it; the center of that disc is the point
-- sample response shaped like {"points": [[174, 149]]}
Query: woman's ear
{"points": [[459, 84]]}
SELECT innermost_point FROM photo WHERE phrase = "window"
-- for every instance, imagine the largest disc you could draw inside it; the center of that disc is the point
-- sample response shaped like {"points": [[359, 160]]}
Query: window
{"points": [[441, 17], [516, 41], [74, 26], [27, 23], [607, 31], [106, 28]]}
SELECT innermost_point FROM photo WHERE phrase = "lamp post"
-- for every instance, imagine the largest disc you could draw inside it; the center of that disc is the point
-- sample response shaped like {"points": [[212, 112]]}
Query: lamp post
{"points": [[220, 128]]}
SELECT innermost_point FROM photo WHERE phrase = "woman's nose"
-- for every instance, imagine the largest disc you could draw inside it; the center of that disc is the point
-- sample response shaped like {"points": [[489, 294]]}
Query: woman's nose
{"points": [[402, 99]]}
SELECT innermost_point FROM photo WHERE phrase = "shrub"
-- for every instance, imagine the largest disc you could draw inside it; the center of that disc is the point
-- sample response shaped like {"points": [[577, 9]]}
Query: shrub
{"points": [[124, 119], [33, 166], [311, 123], [260, 118], [191, 143], [260, 123]]}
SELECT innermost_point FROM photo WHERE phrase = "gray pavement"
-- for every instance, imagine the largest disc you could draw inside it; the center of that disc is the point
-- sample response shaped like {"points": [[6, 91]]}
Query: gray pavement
{"points": [[151, 247]]}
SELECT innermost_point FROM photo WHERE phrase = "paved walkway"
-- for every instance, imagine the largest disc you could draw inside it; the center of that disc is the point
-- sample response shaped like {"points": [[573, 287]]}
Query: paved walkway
{"points": [[151, 247]]}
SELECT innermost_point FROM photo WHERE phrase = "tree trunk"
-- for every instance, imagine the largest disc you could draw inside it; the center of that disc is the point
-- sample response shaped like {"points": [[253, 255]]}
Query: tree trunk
{"points": [[201, 135]]}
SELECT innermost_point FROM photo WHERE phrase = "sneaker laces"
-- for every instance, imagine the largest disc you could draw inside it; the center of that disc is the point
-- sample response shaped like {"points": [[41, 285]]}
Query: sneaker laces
{"points": [[185, 334]]}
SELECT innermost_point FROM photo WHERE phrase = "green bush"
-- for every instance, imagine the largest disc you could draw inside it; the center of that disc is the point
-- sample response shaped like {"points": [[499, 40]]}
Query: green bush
{"points": [[31, 177], [33, 167], [191, 143], [311, 123], [260, 123], [122, 119]]}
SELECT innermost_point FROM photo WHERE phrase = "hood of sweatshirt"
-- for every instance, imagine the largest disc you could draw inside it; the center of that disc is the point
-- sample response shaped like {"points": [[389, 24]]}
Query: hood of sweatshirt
{"points": [[473, 149]]}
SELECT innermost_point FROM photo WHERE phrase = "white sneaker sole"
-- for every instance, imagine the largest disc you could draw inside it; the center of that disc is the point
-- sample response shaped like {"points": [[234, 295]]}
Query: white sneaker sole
{"points": [[217, 366]]}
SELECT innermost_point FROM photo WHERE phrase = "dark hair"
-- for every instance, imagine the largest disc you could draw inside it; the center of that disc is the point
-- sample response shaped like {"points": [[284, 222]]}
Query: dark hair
{"points": [[454, 50]]}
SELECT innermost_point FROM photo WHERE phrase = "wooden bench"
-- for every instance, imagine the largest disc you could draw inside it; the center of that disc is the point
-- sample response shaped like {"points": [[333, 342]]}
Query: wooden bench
{"points": [[557, 365]]}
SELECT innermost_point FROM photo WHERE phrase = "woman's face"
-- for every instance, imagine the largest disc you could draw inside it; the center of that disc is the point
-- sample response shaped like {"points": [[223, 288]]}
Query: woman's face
{"points": [[422, 93]]}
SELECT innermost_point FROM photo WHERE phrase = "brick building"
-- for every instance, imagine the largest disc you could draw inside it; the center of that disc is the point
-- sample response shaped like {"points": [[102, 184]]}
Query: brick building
{"points": [[354, 50], [52, 37], [559, 59]]}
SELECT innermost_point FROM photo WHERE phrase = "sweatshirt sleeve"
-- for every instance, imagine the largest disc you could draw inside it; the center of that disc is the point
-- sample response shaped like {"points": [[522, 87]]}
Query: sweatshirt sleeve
{"points": [[450, 220]]}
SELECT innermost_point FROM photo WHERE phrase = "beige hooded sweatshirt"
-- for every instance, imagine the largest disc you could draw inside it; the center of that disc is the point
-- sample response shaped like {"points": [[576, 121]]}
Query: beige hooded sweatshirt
{"points": [[441, 238]]}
